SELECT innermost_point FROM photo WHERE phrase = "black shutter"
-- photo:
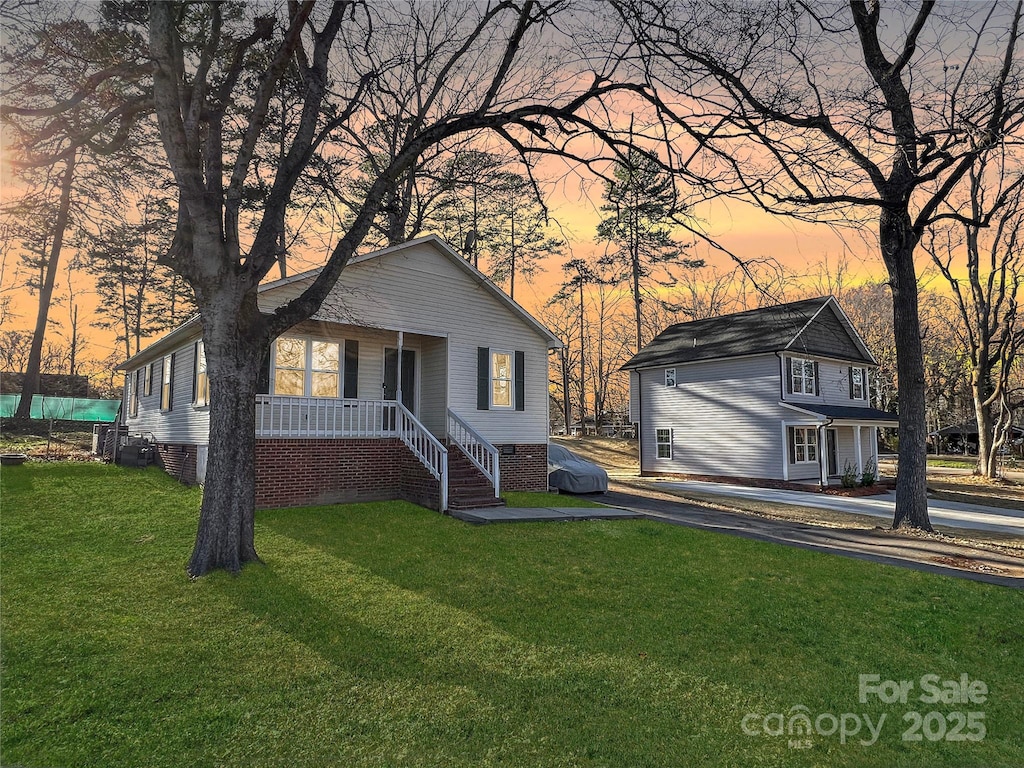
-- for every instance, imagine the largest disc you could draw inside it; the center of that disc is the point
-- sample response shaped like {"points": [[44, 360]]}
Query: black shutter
{"points": [[483, 378], [789, 375], [520, 375], [263, 379], [351, 369], [792, 449], [817, 389]]}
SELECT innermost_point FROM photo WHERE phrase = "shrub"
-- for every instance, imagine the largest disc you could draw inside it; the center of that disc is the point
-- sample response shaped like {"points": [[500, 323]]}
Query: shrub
{"points": [[849, 477], [869, 475]]}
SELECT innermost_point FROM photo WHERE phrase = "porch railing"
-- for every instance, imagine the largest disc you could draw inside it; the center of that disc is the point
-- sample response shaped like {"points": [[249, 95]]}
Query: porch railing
{"points": [[425, 447], [284, 416], [483, 455]]}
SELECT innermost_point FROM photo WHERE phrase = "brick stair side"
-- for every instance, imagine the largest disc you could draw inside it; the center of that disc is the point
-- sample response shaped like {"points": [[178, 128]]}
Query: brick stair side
{"points": [[467, 486]]}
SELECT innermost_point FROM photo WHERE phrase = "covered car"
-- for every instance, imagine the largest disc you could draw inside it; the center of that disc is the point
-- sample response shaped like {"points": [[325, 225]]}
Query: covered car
{"points": [[573, 474]]}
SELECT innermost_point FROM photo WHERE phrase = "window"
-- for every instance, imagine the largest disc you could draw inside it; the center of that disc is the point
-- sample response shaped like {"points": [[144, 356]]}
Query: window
{"points": [[803, 445], [858, 383], [201, 381], [326, 369], [663, 437], [167, 383], [290, 366], [501, 379], [134, 383], [803, 376], [307, 368], [670, 377], [149, 381]]}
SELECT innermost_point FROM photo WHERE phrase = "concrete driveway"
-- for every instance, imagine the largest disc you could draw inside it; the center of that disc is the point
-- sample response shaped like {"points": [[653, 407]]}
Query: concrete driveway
{"points": [[951, 513]]}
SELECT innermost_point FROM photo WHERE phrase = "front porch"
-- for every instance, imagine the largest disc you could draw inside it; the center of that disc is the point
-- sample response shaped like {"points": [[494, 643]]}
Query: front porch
{"points": [[321, 450]]}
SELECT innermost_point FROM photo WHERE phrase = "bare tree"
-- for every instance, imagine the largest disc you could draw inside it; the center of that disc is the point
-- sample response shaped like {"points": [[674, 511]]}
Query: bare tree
{"points": [[441, 73], [984, 267], [841, 113]]}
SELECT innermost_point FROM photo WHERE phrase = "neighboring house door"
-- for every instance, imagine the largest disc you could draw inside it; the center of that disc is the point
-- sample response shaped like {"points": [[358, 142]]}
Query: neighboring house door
{"points": [[408, 377], [832, 451]]}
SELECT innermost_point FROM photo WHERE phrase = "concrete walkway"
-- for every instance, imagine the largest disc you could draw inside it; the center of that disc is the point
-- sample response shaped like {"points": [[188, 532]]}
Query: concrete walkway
{"points": [[542, 514], [952, 513]]}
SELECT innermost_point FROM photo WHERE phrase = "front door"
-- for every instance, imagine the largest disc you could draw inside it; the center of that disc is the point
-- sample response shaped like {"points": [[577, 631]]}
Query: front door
{"points": [[408, 377], [832, 451]]}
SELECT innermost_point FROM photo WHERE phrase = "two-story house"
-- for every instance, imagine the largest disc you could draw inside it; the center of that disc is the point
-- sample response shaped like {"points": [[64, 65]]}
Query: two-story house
{"points": [[776, 393]]}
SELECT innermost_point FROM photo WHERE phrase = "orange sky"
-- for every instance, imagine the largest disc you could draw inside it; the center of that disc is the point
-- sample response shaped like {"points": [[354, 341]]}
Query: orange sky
{"points": [[744, 230]]}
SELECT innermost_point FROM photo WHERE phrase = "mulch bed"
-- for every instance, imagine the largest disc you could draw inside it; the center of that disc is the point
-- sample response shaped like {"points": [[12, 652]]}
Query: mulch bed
{"points": [[880, 487]]}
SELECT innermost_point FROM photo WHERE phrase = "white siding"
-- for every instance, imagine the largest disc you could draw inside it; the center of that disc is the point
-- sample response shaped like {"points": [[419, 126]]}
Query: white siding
{"points": [[725, 417], [833, 385], [419, 290], [184, 423]]}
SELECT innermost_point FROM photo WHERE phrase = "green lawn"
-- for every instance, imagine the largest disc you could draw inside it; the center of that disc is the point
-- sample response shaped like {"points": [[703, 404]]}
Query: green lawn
{"points": [[387, 635]]}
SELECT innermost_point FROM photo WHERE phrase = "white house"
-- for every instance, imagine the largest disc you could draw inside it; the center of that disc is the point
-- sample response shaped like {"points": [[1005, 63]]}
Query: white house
{"points": [[775, 393], [418, 378]]}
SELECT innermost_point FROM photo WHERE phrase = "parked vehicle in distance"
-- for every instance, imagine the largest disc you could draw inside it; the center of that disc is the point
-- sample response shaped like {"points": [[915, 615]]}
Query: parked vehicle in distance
{"points": [[570, 473]]}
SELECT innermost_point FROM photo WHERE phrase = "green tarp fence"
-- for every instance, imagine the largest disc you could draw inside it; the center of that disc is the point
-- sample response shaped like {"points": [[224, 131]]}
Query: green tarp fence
{"points": [[66, 408]]}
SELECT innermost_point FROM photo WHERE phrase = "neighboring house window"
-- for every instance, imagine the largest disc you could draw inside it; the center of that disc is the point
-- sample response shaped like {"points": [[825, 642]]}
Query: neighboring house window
{"points": [[803, 445], [134, 382], [670, 377], [326, 369], [167, 383], [858, 383], [501, 379], [149, 380], [803, 376], [201, 381], [290, 366], [663, 437]]}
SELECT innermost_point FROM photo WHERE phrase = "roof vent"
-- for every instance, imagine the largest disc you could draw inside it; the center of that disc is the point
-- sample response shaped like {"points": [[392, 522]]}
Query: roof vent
{"points": [[694, 342]]}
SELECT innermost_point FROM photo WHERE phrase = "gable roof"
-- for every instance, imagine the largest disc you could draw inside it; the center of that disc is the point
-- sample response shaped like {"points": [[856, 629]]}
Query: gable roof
{"points": [[192, 327], [812, 326]]}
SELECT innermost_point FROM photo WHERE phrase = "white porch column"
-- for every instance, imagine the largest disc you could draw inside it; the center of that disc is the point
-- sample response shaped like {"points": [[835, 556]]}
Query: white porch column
{"points": [[822, 459], [398, 370], [874, 448], [857, 449]]}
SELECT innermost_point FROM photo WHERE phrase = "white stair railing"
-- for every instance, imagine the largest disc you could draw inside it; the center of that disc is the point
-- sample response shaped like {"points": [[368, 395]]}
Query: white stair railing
{"points": [[476, 448], [425, 447]]}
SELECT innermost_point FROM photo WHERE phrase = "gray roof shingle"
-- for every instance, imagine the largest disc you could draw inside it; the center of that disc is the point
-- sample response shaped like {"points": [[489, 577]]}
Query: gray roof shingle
{"points": [[756, 331]]}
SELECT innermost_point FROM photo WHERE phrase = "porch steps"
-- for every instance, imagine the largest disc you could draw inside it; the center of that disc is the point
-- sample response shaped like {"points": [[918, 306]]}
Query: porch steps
{"points": [[467, 486]]}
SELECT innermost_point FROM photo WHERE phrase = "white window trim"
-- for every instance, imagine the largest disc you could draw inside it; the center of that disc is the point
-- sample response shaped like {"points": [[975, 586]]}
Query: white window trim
{"points": [[166, 379], [670, 375], [806, 445], [511, 380], [307, 369], [799, 362], [658, 443], [863, 383], [200, 352]]}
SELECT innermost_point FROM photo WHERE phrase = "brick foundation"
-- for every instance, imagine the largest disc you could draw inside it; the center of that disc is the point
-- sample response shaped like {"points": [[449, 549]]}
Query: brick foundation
{"points": [[177, 460], [292, 473], [526, 469], [300, 472]]}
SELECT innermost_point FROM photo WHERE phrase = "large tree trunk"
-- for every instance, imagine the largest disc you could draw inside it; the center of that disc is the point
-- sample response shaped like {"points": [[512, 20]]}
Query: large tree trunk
{"points": [[898, 240], [235, 346], [30, 385]]}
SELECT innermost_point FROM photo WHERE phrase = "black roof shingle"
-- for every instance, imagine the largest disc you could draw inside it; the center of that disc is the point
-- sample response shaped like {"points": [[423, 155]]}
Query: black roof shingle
{"points": [[756, 331]]}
